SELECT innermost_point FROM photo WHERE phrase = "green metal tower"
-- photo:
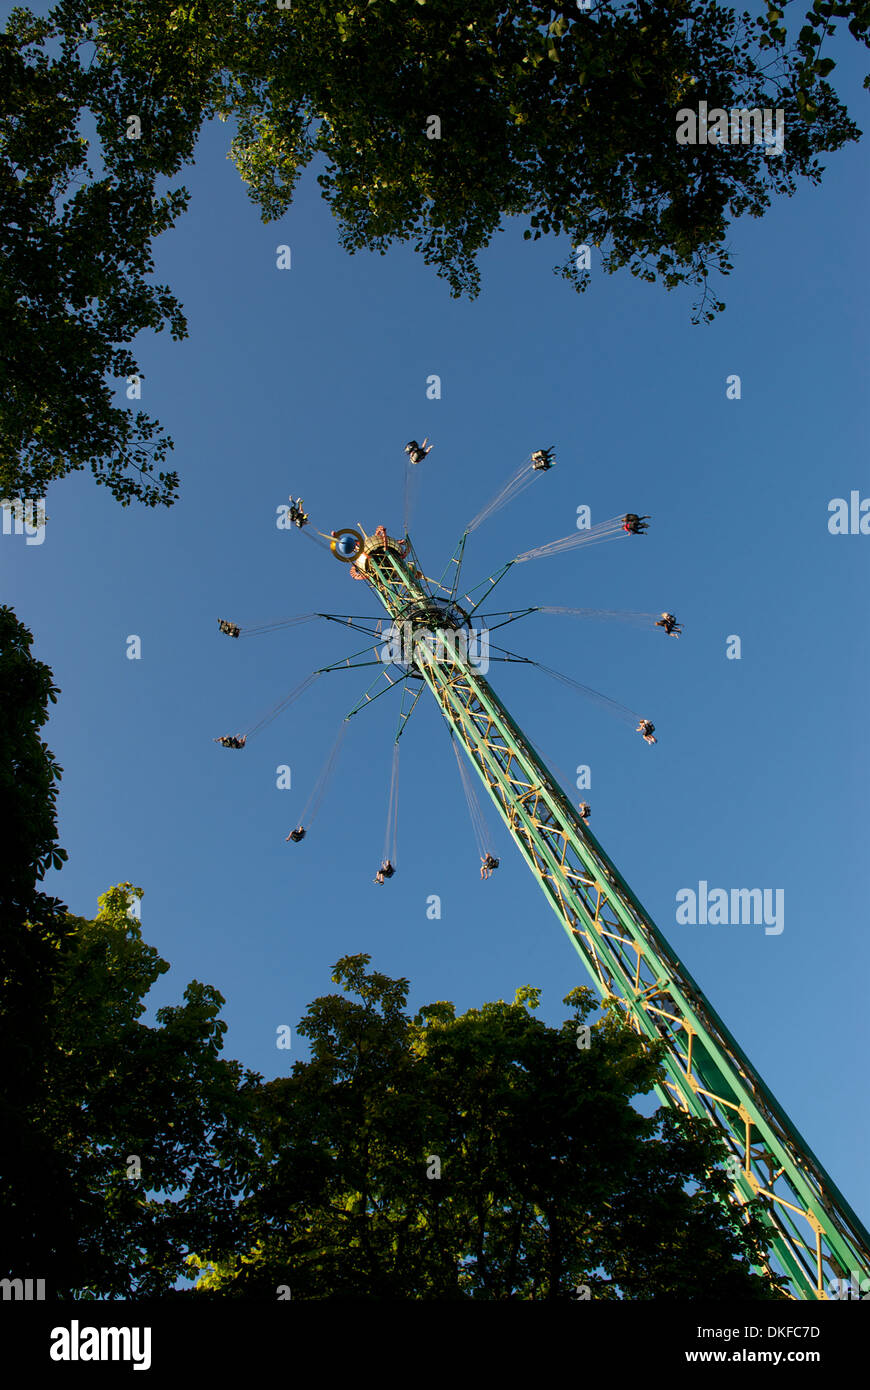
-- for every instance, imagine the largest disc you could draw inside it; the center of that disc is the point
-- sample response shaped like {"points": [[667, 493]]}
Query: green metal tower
{"points": [[816, 1237]]}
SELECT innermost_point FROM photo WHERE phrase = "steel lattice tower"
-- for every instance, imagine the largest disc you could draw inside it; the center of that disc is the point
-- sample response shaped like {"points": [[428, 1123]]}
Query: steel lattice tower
{"points": [[816, 1237]]}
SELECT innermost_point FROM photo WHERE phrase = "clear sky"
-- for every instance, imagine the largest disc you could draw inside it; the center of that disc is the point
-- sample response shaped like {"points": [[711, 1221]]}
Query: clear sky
{"points": [[311, 381]]}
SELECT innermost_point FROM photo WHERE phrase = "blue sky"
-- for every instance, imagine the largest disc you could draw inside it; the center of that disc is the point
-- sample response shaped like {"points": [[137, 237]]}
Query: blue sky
{"points": [[310, 381]]}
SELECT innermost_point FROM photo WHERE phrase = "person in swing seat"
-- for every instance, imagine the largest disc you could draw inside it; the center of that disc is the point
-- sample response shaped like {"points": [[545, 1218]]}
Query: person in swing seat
{"points": [[487, 864]]}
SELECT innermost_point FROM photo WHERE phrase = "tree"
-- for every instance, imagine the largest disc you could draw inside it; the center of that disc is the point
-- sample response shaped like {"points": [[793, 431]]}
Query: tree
{"points": [[134, 1134], [33, 927], [29, 773], [438, 120], [75, 252], [150, 1122], [562, 118], [121, 1145], [479, 1156]]}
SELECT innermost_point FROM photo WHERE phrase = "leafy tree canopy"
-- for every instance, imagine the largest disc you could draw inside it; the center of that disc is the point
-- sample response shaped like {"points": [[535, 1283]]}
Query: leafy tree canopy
{"points": [[147, 1122], [478, 1156], [33, 927], [29, 773], [561, 118], [87, 1086], [128, 1150], [75, 261]]}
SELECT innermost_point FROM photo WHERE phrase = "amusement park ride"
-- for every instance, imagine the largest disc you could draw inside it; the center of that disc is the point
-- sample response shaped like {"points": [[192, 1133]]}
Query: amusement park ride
{"points": [[817, 1241]]}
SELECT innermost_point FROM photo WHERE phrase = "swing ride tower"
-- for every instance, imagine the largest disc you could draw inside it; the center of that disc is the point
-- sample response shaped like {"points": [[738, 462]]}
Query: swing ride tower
{"points": [[816, 1238]]}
